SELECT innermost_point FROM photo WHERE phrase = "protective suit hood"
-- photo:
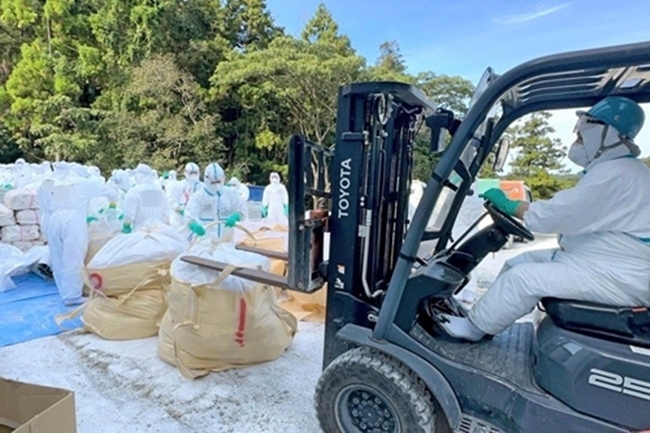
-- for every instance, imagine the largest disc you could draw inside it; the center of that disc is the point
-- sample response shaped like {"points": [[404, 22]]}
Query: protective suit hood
{"points": [[214, 178], [192, 172], [274, 178], [144, 174]]}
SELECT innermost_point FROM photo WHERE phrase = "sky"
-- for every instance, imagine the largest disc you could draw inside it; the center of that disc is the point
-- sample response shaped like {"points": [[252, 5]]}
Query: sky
{"points": [[464, 37]]}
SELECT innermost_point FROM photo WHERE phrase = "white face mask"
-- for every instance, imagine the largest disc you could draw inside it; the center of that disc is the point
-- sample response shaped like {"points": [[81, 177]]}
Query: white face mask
{"points": [[578, 154]]}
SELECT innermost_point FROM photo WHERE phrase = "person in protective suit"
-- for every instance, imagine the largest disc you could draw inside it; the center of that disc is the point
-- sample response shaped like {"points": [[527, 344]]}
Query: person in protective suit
{"points": [[121, 181], [241, 189], [603, 225], [146, 202], [64, 200], [215, 202], [183, 190], [275, 202]]}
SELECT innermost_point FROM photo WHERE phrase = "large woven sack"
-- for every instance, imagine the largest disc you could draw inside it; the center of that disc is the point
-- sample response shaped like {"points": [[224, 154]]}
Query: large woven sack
{"points": [[309, 307], [21, 199], [215, 321], [272, 239], [95, 244], [101, 231], [125, 317], [18, 233], [7, 217], [137, 260], [28, 217]]}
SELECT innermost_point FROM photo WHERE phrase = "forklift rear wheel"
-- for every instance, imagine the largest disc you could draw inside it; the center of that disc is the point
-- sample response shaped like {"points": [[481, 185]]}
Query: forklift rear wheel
{"points": [[365, 391]]}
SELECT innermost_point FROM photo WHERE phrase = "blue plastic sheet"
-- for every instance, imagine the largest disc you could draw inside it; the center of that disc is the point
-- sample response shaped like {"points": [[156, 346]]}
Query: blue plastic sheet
{"points": [[28, 311]]}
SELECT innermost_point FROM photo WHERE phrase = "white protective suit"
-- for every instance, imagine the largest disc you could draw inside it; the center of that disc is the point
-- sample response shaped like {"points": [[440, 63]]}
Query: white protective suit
{"points": [[64, 201], [215, 202], [241, 189], [275, 201], [604, 253], [22, 173], [182, 191], [146, 202], [121, 182]]}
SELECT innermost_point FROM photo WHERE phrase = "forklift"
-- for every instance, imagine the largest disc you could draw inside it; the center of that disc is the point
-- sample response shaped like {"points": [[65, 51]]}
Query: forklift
{"points": [[387, 367]]}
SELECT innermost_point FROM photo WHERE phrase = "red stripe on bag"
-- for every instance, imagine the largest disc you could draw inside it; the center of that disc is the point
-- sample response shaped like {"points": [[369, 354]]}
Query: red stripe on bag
{"points": [[97, 280], [239, 336]]}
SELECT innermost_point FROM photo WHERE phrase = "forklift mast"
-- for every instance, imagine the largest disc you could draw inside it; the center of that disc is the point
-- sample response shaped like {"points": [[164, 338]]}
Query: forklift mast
{"points": [[359, 193]]}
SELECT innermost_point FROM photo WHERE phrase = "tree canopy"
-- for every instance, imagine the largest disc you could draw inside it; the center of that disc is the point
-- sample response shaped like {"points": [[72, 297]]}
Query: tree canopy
{"points": [[117, 82]]}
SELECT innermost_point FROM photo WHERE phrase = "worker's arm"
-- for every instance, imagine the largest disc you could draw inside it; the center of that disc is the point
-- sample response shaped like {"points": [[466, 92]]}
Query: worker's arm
{"points": [[522, 209], [582, 209]]}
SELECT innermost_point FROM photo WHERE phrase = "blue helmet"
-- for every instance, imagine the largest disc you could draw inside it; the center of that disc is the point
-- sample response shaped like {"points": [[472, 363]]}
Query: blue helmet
{"points": [[621, 113]]}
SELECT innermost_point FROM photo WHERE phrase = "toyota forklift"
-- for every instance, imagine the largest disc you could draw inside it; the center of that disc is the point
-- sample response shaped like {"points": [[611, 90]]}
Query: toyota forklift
{"points": [[387, 367]]}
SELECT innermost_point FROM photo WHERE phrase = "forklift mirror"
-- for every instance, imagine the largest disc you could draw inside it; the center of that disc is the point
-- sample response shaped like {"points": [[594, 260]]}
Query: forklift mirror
{"points": [[438, 122], [501, 154]]}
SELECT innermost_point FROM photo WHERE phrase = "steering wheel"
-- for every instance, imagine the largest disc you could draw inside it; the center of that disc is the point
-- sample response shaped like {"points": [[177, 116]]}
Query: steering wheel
{"points": [[508, 224]]}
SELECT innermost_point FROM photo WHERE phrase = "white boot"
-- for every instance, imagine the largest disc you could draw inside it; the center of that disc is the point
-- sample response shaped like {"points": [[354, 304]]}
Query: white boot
{"points": [[461, 328]]}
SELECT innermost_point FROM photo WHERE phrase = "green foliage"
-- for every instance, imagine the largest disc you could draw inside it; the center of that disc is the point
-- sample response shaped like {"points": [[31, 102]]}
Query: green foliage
{"points": [[116, 82], [539, 157]]}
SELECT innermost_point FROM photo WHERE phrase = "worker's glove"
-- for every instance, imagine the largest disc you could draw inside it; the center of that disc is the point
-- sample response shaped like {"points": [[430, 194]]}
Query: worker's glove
{"points": [[265, 211], [233, 219], [196, 228], [500, 200], [126, 228], [286, 210], [180, 211], [165, 175], [91, 219]]}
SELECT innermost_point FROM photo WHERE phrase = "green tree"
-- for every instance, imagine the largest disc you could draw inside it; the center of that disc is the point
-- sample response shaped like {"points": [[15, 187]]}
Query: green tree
{"points": [[160, 117], [322, 28], [450, 92], [538, 157], [290, 87]]}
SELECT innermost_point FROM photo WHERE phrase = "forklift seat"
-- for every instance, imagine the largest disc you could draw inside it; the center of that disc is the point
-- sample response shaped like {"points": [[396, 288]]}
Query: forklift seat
{"points": [[628, 325]]}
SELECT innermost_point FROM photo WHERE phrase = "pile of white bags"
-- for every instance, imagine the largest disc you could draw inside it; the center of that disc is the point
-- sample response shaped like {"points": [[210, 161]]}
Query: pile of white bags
{"points": [[216, 321], [14, 262], [20, 219], [127, 278]]}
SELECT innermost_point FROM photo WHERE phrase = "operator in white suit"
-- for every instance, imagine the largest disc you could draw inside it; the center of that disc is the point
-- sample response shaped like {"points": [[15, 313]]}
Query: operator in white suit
{"points": [[603, 224], [275, 202], [64, 201], [215, 203]]}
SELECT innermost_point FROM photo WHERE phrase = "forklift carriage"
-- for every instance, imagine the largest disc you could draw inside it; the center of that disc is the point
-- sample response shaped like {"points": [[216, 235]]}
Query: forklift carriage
{"points": [[585, 368]]}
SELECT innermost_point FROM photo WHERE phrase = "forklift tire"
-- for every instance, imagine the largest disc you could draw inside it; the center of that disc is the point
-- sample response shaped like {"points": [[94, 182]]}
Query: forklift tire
{"points": [[365, 391]]}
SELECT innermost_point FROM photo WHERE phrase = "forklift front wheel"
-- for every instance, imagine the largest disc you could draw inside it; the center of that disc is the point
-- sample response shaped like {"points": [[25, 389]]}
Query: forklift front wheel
{"points": [[365, 391]]}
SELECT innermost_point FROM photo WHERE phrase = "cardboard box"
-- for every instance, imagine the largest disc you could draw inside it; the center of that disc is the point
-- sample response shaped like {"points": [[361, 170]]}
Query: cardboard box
{"points": [[26, 408]]}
